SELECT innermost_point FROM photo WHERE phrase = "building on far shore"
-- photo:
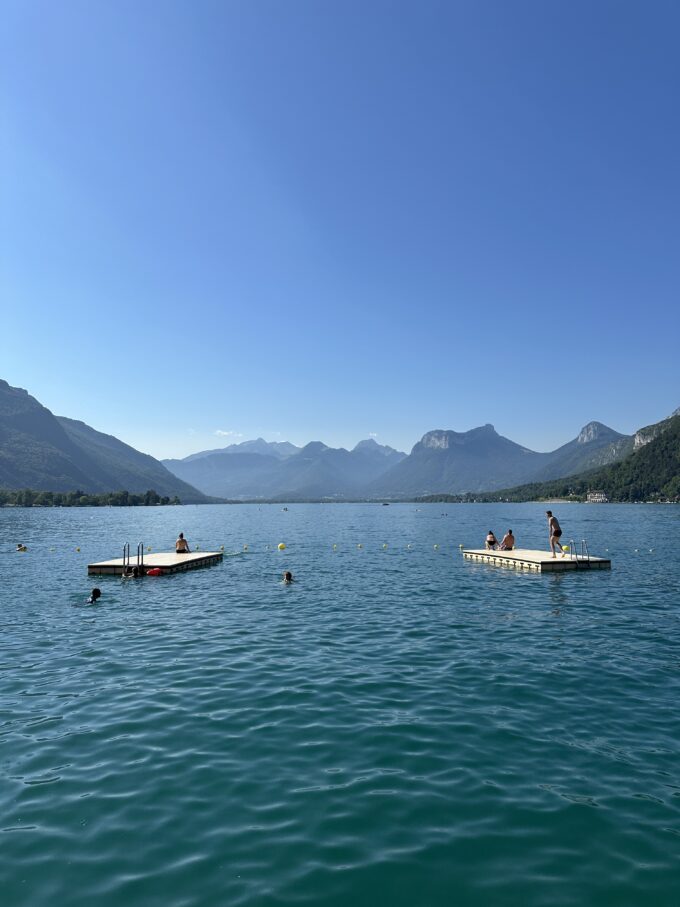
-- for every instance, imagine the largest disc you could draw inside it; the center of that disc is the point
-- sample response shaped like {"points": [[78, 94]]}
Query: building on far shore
{"points": [[597, 497]]}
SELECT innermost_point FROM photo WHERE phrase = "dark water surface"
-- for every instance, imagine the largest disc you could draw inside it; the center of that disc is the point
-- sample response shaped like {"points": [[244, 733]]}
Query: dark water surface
{"points": [[399, 727]]}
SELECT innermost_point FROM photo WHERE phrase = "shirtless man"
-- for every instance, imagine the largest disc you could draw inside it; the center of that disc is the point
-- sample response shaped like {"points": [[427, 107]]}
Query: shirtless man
{"points": [[508, 542], [554, 532], [181, 545]]}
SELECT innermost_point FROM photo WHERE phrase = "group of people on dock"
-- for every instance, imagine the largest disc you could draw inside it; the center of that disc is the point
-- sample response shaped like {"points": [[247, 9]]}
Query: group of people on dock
{"points": [[508, 541], [507, 544]]}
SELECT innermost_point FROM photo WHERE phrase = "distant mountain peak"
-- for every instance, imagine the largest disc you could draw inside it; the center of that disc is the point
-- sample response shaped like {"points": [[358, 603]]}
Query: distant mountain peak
{"points": [[441, 439], [6, 386], [597, 431], [371, 445], [314, 447], [590, 432]]}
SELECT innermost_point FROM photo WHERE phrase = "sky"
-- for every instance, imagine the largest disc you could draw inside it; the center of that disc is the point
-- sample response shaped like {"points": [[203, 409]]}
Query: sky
{"points": [[340, 219]]}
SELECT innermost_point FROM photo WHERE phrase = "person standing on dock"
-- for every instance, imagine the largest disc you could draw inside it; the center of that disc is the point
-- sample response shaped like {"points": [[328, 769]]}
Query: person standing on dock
{"points": [[554, 532], [181, 545]]}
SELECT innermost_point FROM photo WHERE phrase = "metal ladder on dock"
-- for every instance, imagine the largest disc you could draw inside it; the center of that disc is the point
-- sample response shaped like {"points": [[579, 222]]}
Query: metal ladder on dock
{"points": [[582, 559], [140, 556]]}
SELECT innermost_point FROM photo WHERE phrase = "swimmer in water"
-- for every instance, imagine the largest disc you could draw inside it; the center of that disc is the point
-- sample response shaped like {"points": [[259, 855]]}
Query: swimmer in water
{"points": [[287, 578], [94, 596], [131, 573], [21, 547]]}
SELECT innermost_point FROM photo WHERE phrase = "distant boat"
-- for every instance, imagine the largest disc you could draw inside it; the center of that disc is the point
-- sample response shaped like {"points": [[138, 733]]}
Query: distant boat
{"points": [[385, 504]]}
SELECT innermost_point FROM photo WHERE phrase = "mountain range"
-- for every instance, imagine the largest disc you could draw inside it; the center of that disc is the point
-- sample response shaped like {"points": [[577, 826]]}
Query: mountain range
{"points": [[268, 470], [476, 460], [42, 451], [649, 472]]}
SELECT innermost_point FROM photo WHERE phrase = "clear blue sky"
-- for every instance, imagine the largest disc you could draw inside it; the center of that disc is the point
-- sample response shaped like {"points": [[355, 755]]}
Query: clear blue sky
{"points": [[325, 220]]}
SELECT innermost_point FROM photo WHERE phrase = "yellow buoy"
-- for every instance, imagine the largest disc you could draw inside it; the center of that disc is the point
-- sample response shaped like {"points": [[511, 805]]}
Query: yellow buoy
{"points": [[77, 549], [281, 546], [565, 548], [245, 547], [384, 546], [221, 547], [435, 547], [460, 546], [360, 545], [335, 547]]}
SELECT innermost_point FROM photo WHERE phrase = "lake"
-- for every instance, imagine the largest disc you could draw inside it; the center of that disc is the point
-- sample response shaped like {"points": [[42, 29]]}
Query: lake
{"points": [[397, 727]]}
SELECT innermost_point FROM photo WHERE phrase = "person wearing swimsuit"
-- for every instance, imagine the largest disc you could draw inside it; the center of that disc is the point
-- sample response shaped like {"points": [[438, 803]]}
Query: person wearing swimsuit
{"points": [[554, 532], [508, 542], [181, 545], [491, 542]]}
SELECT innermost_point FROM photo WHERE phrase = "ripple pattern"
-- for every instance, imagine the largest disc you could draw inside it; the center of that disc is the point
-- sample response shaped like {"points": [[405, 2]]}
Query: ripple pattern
{"points": [[398, 727]]}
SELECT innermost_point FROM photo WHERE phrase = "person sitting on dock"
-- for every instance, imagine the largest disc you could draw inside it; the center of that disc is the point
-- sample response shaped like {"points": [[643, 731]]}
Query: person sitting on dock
{"points": [[555, 532], [181, 545], [508, 542], [491, 541]]}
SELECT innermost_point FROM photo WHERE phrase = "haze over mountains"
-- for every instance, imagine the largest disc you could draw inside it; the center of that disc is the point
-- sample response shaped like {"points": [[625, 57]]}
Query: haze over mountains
{"points": [[476, 460], [261, 469], [41, 451]]}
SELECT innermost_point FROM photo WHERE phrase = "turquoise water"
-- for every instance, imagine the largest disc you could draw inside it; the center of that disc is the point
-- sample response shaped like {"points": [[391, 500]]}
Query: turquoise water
{"points": [[398, 727]]}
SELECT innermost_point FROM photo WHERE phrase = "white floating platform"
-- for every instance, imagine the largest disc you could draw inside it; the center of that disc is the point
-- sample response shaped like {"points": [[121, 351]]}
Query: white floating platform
{"points": [[539, 561], [165, 561]]}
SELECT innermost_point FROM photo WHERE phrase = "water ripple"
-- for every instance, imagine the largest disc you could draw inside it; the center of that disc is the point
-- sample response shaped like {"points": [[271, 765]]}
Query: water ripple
{"points": [[397, 727]]}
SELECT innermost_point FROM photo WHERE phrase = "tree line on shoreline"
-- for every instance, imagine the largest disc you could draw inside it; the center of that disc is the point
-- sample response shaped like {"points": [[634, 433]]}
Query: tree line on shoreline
{"points": [[28, 497]]}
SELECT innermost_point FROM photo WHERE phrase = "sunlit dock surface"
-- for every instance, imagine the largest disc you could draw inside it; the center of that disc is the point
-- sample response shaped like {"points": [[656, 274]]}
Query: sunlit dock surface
{"points": [[539, 561], [165, 561]]}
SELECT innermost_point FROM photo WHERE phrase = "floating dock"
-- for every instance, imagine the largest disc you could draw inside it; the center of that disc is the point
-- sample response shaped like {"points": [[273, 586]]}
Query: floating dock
{"points": [[165, 561], [538, 561]]}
